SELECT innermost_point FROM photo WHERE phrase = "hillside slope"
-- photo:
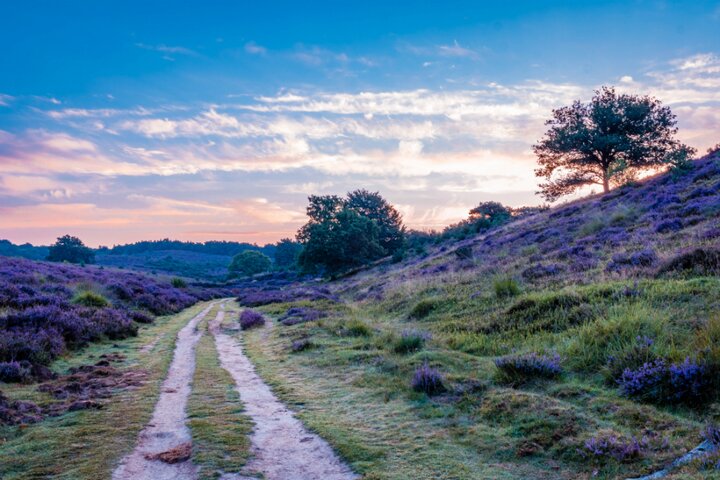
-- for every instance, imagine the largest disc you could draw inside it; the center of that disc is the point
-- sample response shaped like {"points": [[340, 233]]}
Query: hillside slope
{"points": [[582, 342]]}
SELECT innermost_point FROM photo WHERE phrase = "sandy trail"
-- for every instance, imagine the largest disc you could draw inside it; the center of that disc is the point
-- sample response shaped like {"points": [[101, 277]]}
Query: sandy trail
{"points": [[167, 429], [282, 448]]}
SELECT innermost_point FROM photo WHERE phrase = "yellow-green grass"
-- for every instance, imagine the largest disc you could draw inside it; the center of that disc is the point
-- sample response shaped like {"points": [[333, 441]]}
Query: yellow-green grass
{"points": [[89, 444], [355, 391], [220, 430]]}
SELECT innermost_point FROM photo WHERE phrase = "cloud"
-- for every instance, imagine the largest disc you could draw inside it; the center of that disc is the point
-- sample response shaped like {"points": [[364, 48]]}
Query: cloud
{"points": [[456, 50], [168, 50], [255, 49], [5, 100]]}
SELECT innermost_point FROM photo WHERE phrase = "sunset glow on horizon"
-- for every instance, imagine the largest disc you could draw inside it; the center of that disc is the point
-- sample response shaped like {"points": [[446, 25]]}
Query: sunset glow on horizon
{"points": [[138, 122]]}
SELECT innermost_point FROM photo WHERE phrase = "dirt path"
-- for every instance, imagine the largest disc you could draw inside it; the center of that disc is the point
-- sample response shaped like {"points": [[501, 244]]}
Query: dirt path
{"points": [[167, 432], [282, 448]]}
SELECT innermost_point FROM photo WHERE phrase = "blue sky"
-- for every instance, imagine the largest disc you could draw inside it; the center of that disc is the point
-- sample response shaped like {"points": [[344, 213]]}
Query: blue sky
{"points": [[214, 120]]}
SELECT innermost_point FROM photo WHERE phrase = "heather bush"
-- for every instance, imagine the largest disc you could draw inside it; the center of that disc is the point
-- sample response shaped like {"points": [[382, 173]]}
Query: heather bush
{"points": [[671, 225], [506, 287], [519, 369], [301, 345], [642, 258], [89, 298], [295, 315], [251, 319], [13, 372], [428, 380], [699, 261], [659, 382], [610, 446], [711, 433], [411, 341], [638, 354]]}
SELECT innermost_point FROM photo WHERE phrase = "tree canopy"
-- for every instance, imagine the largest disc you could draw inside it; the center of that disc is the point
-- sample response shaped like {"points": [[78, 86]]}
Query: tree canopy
{"points": [[343, 233], [605, 142], [286, 254], [249, 262], [70, 249]]}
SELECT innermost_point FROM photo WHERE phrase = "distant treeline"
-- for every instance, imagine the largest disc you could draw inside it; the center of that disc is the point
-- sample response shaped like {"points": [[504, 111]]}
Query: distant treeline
{"points": [[26, 250], [213, 247]]}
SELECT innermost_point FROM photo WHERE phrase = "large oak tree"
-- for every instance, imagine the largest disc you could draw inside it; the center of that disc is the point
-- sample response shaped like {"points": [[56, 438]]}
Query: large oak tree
{"points": [[605, 141]]}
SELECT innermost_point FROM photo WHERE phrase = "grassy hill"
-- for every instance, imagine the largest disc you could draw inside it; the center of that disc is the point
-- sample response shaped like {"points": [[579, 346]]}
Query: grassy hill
{"points": [[581, 342], [182, 263]]}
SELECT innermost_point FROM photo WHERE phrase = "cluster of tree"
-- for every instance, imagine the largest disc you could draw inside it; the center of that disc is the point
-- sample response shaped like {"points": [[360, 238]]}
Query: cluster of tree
{"points": [[213, 247], [26, 250], [485, 216], [70, 249], [343, 233]]}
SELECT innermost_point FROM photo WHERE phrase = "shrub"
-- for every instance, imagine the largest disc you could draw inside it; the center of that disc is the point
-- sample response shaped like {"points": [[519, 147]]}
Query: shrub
{"points": [[669, 226], [427, 380], [12, 372], [506, 287], [423, 308], [248, 263], [646, 382], [643, 258], [178, 282], [700, 261], [295, 315], [301, 345], [519, 369], [251, 319], [637, 355], [90, 299], [711, 434], [610, 446], [658, 382], [540, 271], [357, 328], [411, 341]]}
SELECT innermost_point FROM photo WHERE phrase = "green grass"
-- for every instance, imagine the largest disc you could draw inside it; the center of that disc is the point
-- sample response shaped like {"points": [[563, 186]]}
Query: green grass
{"points": [[220, 430], [355, 391], [89, 444]]}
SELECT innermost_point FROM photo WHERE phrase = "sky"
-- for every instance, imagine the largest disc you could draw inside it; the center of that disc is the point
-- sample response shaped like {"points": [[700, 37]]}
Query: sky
{"points": [[123, 121]]}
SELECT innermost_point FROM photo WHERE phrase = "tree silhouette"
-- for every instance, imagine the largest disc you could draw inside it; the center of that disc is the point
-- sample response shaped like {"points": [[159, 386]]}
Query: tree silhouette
{"points": [[604, 142]]}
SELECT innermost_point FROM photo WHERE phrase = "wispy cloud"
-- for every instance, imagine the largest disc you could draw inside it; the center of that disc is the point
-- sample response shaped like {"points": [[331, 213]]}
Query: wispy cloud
{"points": [[5, 99], [255, 49], [168, 50]]}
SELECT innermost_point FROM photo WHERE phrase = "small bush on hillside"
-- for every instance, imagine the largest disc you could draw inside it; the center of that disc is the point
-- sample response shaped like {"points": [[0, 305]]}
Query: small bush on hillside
{"points": [[659, 382], [606, 446], [667, 226], [423, 308], [541, 271], [14, 372], [301, 345], [640, 353], [700, 261], [90, 299], [411, 341], [428, 380], [519, 369], [711, 434], [251, 319], [643, 258], [178, 282], [506, 287], [357, 328]]}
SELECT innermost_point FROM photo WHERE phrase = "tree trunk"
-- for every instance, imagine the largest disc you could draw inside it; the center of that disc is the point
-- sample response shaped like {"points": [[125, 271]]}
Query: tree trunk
{"points": [[606, 181]]}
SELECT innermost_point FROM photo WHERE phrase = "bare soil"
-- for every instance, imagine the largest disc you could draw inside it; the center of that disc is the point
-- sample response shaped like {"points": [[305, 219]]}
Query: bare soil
{"points": [[282, 447], [167, 436]]}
